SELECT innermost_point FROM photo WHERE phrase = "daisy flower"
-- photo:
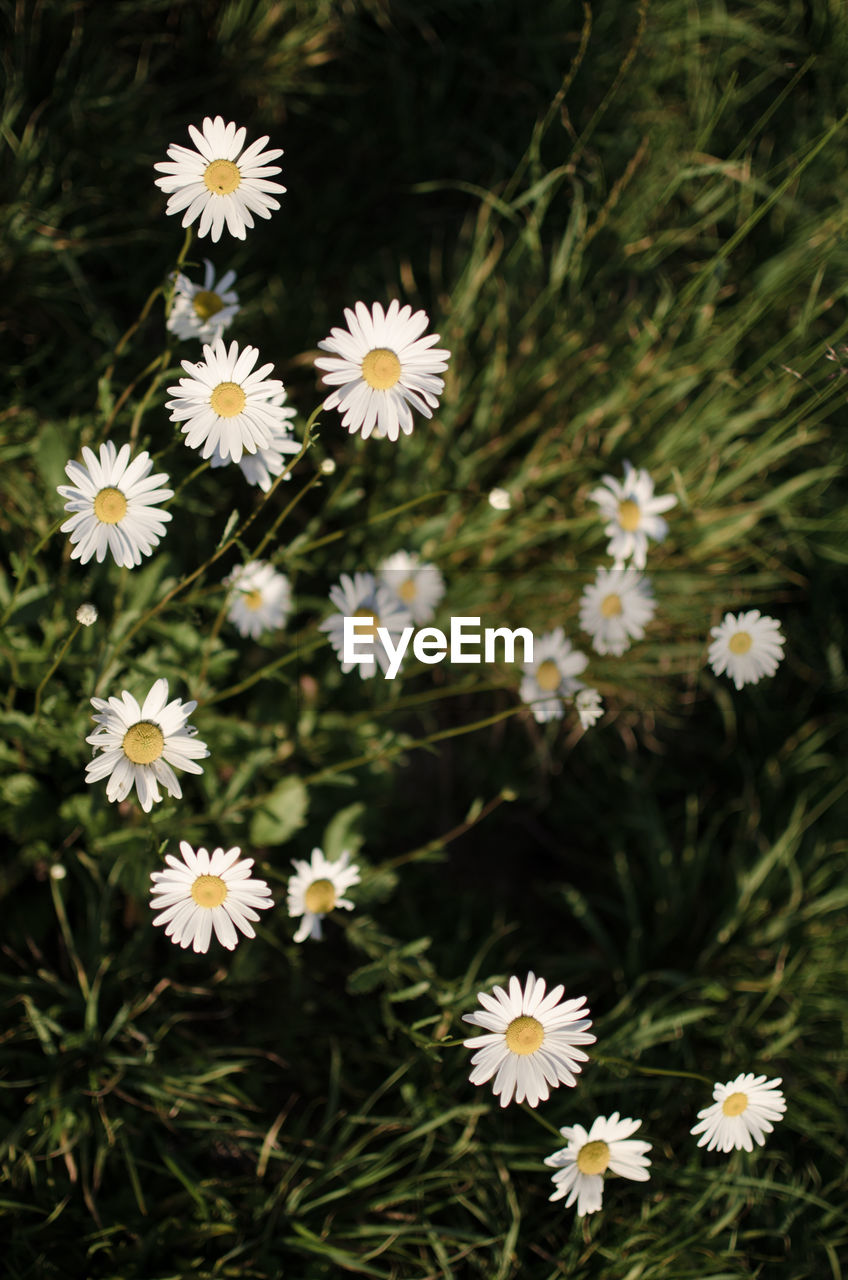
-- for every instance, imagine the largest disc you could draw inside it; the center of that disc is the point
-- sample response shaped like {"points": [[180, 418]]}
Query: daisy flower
{"points": [[550, 677], [265, 463], [531, 1041], [589, 706], [205, 310], [225, 407], [205, 892], [616, 608], [138, 745], [419, 587], [747, 646], [260, 598], [383, 369], [580, 1166], [87, 614], [114, 507], [316, 888], [633, 514], [363, 597], [742, 1110], [500, 500], [222, 181]]}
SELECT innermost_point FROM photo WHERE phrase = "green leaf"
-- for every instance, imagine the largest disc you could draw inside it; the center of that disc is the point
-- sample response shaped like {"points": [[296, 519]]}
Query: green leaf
{"points": [[281, 813]]}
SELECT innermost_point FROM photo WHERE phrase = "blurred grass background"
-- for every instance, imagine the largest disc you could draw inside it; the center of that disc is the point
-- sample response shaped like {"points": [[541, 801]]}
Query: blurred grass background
{"points": [[628, 222]]}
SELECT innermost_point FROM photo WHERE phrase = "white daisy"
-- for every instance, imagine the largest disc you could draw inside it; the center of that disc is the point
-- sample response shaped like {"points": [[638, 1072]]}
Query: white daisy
{"points": [[225, 407], [747, 646], [616, 608], [205, 892], [261, 466], [419, 587], [363, 597], [589, 706], [742, 1110], [114, 505], [87, 614], [222, 181], [203, 311], [500, 500], [260, 599], [550, 677], [531, 1041], [316, 888], [138, 745], [633, 514], [382, 365], [581, 1165]]}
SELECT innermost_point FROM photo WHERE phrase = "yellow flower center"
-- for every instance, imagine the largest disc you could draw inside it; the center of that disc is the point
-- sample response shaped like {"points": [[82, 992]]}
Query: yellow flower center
{"points": [[143, 742], [734, 1104], [320, 897], [739, 643], [253, 599], [110, 506], [228, 399], [593, 1157], [209, 891], [548, 677], [524, 1035], [368, 632], [206, 304], [381, 368], [408, 590], [611, 606], [629, 514], [222, 177]]}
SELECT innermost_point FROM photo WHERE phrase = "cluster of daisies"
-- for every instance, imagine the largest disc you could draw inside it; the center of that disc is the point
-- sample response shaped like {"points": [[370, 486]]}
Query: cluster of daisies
{"points": [[532, 1045], [616, 608]]}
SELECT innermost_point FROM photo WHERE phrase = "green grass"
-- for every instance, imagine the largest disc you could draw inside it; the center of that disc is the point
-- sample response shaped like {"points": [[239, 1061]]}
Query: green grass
{"points": [[628, 224]]}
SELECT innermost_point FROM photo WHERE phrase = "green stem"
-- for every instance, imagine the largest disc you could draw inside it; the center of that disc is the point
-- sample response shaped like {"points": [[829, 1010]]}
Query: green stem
{"points": [[382, 515], [60, 655], [388, 753], [216, 555], [261, 674]]}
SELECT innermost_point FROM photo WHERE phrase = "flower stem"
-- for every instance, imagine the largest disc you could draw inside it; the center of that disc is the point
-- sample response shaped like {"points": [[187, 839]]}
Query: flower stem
{"points": [[60, 655]]}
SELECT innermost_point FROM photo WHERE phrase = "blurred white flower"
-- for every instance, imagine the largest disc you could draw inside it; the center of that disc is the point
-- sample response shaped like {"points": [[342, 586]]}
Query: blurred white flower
{"points": [[87, 614], [418, 587], [203, 311], [589, 706], [747, 646], [316, 888], [616, 608], [363, 597], [259, 599], [500, 499], [550, 677], [633, 514]]}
